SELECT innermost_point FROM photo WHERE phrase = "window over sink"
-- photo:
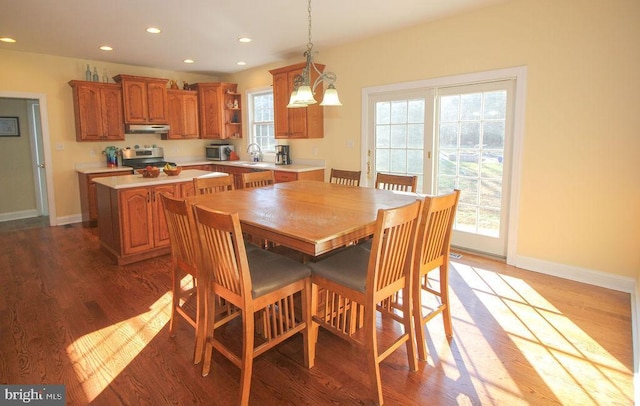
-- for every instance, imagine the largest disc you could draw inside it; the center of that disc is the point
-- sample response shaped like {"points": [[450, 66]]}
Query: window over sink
{"points": [[261, 127]]}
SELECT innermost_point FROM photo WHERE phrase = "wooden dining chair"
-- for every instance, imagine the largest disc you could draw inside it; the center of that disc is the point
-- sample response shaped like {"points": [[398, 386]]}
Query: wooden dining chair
{"points": [[184, 254], [258, 283], [257, 179], [213, 184], [403, 183], [343, 177], [432, 253], [348, 286]]}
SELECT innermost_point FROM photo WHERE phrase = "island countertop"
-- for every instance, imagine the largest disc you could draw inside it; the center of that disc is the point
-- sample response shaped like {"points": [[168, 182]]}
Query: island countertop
{"points": [[136, 180]]}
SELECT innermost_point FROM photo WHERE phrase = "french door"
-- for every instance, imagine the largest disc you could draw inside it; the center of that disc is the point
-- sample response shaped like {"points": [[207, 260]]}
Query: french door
{"points": [[451, 137]]}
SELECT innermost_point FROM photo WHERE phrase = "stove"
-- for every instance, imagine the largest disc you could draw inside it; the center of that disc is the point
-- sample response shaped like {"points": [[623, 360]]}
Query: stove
{"points": [[140, 158]]}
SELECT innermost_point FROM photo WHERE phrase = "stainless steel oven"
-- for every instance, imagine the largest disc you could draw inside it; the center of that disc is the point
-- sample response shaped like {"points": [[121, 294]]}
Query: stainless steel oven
{"points": [[219, 152]]}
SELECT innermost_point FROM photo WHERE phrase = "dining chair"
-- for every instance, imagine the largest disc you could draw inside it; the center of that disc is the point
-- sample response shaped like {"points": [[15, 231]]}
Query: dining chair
{"points": [[213, 184], [432, 253], [403, 183], [258, 283], [344, 177], [184, 253], [348, 286], [257, 179]]}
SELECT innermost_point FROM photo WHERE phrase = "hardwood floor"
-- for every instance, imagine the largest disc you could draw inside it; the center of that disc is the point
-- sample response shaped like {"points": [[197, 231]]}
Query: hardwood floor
{"points": [[68, 315]]}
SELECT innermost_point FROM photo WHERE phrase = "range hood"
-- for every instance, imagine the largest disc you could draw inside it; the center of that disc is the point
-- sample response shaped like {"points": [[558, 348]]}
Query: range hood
{"points": [[147, 129]]}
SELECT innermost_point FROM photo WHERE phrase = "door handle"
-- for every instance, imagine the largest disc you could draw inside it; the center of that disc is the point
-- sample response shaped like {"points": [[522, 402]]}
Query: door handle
{"points": [[41, 166]]}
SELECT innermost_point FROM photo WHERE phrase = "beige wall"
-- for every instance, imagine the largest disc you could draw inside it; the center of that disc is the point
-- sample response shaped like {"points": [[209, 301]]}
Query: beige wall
{"points": [[18, 193], [580, 196], [580, 187]]}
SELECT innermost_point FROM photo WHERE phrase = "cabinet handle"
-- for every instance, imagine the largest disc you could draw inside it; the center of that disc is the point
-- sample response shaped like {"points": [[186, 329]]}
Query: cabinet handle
{"points": [[148, 196]]}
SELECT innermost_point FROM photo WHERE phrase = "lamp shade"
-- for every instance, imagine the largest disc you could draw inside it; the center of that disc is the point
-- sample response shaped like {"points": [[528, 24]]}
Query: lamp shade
{"points": [[305, 96], [292, 101], [331, 97]]}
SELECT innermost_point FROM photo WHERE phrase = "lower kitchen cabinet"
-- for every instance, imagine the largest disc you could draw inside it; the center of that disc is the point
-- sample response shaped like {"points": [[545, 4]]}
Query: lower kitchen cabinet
{"points": [[88, 199], [137, 226], [286, 176]]}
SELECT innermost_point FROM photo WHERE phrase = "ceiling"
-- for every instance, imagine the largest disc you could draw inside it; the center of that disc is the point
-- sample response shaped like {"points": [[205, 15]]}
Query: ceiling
{"points": [[206, 31]]}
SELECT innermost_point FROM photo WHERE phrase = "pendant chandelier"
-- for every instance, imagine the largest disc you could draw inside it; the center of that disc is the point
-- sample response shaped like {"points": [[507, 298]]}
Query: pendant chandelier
{"points": [[303, 89]]}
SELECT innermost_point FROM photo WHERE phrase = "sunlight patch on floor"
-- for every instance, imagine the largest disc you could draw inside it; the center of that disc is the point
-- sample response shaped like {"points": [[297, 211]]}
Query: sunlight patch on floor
{"points": [[99, 357], [575, 368]]}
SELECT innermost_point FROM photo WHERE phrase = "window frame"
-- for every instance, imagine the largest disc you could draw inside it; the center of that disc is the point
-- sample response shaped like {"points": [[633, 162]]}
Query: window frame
{"points": [[252, 122]]}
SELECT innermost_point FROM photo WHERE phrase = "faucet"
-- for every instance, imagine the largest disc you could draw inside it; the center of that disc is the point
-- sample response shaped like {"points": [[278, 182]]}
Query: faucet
{"points": [[256, 155]]}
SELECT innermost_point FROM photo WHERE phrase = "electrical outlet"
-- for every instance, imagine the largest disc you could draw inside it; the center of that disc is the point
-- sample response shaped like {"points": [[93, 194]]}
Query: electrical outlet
{"points": [[59, 147], [350, 143], [314, 151], [92, 154]]}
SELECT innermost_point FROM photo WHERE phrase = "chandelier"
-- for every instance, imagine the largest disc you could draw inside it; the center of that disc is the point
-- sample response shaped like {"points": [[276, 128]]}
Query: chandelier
{"points": [[303, 89]]}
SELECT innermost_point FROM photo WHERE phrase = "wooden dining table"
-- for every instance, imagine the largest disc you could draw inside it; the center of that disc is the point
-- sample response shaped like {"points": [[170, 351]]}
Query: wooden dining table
{"points": [[311, 217]]}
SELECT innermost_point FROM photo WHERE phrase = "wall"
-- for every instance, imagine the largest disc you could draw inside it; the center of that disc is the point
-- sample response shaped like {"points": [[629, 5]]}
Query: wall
{"points": [[18, 190], [22, 72], [580, 186]]}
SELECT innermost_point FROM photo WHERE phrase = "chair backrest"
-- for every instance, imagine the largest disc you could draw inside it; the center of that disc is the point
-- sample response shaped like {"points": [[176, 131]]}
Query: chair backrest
{"points": [[343, 177], [224, 262], [257, 179], [392, 249], [181, 227], [403, 183], [434, 232], [213, 184]]}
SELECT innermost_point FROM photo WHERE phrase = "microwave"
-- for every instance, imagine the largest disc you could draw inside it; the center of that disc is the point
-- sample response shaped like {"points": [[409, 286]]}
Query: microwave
{"points": [[218, 152]]}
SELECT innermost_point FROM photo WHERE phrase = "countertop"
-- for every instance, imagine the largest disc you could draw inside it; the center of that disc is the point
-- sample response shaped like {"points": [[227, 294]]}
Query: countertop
{"points": [[131, 181], [88, 168]]}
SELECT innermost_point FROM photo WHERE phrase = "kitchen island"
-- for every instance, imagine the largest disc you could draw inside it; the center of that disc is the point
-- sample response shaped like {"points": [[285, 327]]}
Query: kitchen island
{"points": [[131, 222]]}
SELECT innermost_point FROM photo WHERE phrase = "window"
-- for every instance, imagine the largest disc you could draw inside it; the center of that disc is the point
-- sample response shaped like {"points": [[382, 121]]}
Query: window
{"points": [[261, 130]]}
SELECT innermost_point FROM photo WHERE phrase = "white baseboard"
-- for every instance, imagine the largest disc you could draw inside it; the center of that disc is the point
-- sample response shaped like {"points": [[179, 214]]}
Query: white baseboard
{"points": [[61, 221], [574, 273], [18, 215]]}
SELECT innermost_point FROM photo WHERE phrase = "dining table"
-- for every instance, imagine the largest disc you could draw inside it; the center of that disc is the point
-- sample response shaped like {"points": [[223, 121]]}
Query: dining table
{"points": [[312, 217]]}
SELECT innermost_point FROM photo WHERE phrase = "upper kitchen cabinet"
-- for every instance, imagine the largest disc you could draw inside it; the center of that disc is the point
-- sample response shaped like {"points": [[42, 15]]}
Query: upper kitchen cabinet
{"points": [[98, 111], [301, 122], [145, 99], [220, 108], [183, 114]]}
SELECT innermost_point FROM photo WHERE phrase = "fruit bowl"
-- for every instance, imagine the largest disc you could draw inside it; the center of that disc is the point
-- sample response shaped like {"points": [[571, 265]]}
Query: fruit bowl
{"points": [[175, 171], [149, 172]]}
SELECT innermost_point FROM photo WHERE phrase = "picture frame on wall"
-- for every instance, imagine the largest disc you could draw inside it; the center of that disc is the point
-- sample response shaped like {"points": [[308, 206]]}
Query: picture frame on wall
{"points": [[9, 127]]}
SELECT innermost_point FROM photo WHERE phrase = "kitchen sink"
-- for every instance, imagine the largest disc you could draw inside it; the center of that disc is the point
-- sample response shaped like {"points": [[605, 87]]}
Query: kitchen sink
{"points": [[256, 164]]}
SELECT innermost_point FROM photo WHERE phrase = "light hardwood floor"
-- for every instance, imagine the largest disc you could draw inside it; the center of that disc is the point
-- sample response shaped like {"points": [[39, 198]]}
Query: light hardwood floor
{"points": [[67, 315]]}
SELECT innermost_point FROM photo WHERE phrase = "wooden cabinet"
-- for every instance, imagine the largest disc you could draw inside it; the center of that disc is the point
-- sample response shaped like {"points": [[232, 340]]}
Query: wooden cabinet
{"points": [[98, 111], [132, 225], [143, 224], [183, 114], [88, 197], [220, 110], [145, 99], [302, 122], [285, 176], [236, 172], [187, 189]]}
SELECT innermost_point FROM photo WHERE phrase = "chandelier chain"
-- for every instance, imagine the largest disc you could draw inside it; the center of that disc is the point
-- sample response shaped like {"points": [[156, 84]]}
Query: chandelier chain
{"points": [[309, 44]]}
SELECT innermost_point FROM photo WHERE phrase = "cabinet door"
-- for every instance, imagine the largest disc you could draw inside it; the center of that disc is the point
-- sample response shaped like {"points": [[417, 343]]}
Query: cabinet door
{"points": [[160, 228], [176, 121], [88, 113], [281, 95], [190, 115], [136, 217], [157, 102], [112, 116], [210, 112], [135, 101]]}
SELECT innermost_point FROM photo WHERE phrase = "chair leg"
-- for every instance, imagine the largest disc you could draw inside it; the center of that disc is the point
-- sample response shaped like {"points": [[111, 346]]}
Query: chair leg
{"points": [[409, 330], [444, 297], [198, 350], [247, 357], [207, 331], [418, 320], [371, 347], [309, 357], [312, 325]]}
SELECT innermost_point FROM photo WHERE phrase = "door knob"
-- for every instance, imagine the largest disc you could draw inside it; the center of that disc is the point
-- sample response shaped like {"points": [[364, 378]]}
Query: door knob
{"points": [[41, 166]]}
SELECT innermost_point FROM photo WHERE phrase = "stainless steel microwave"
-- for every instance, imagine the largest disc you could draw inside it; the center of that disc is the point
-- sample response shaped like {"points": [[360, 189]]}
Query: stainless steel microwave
{"points": [[219, 152]]}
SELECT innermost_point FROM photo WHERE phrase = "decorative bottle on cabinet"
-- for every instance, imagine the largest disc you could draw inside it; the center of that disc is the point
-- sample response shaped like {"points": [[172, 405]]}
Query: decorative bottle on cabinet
{"points": [[96, 78], [87, 74]]}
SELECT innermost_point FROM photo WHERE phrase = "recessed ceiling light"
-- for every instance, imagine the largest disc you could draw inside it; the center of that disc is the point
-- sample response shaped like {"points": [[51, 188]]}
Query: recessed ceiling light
{"points": [[7, 39], [244, 39], [188, 61], [153, 30], [106, 48], [241, 63]]}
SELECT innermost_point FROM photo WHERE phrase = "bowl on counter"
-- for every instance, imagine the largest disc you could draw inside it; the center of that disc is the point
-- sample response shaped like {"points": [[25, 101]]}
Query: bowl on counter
{"points": [[149, 172], [175, 171]]}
